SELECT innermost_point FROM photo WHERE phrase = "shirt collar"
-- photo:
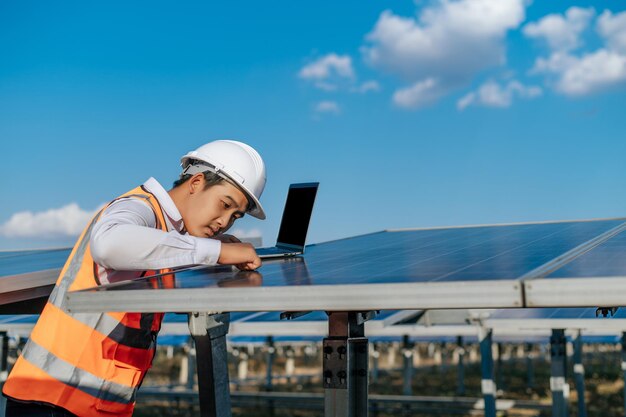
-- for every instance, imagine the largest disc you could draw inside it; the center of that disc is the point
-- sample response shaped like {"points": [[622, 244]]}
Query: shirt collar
{"points": [[172, 215]]}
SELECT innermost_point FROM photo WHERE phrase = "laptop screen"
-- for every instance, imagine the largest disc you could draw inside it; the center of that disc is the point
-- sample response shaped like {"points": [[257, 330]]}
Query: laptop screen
{"points": [[297, 214]]}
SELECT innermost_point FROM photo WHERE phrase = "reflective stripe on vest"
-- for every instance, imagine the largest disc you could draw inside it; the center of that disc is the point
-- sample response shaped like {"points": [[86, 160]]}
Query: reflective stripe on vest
{"points": [[89, 364], [75, 377]]}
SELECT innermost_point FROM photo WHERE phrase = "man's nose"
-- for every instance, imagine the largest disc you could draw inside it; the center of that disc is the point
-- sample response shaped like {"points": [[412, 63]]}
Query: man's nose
{"points": [[223, 220]]}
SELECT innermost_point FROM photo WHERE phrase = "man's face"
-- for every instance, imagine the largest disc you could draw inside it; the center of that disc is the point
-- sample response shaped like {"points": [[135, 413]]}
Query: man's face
{"points": [[214, 210]]}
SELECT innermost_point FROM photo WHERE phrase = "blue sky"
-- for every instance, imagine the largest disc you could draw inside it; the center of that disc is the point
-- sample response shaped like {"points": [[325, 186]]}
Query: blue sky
{"points": [[410, 114]]}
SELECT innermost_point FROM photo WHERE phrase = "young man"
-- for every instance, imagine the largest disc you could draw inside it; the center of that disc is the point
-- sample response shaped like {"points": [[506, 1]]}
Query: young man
{"points": [[91, 365]]}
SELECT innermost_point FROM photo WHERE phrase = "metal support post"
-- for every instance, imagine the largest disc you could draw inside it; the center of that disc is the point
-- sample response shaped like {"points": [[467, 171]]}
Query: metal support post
{"points": [[345, 366], [375, 358], [4, 355], [192, 368], [269, 361], [558, 384], [443, 365], [579, 375], [624, 366], [209, 334], [460, 376], [486, 367], [530, 370], [290, 364], [500, 368], [407, 365]]}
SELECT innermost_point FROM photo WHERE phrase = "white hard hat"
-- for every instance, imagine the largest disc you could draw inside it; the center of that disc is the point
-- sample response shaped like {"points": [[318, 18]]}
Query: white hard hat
{"points": [[236, 161]]}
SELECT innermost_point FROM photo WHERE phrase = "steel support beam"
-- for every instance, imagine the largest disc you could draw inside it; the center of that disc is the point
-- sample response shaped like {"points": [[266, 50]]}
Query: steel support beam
{"points": [[460, 375], [624, 367], [209, 334], [375, 358], [4, 356], [191, 367], [530, 370], [558, 365], [486, 366], [345, 366], [500, 368], [269, 363], [579, 375], [407, 366]]}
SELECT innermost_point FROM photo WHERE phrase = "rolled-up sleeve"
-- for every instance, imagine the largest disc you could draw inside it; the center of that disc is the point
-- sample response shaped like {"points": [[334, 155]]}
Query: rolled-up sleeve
{"points": [[125, 238]]}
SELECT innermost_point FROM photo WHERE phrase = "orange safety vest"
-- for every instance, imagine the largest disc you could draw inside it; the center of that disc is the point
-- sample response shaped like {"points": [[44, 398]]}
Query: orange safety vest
{"points": [[90, 364]]}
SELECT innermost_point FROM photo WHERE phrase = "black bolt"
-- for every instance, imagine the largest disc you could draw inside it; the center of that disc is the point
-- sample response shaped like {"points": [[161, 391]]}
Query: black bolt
{"points": [[341, 350], [328, 374], [328, 350], [342, 374]]}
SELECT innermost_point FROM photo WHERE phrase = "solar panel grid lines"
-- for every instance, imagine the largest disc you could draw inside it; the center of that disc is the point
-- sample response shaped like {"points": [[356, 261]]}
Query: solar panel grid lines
{"points": [[538, 252], [438, 255], [568, 257], [411, 250], [32, 261], [606, 259], [525, 223], [497, 255], [387, 270], [447, 255]]}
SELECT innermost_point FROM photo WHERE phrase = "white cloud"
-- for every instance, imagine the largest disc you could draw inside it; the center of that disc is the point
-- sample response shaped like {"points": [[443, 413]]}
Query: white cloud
{"points": [[253, 236], [450, 41], [613, 29], [366, 87], [492, 94], [327, 71], [327, 107], [250, 233], [69, 220], [593, 71], [561, 32], [589, 73], [420, 94]]}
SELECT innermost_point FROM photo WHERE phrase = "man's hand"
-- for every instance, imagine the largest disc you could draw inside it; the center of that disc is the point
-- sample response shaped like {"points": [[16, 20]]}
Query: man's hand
{"points": [[242, 255]]}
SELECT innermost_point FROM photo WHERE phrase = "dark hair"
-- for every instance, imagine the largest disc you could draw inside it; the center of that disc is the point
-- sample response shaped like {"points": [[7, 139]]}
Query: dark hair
{"points": [[210, 179]]}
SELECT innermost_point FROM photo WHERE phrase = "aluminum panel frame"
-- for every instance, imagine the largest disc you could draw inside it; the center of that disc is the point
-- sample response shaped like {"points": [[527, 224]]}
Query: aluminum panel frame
{"points": [[361, 297]]}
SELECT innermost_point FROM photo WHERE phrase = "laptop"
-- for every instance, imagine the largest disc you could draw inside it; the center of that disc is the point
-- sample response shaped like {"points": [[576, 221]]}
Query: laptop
{"points": [[295, 222]]}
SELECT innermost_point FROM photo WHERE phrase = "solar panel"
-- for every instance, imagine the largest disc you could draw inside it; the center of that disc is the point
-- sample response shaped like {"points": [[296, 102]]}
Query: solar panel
{"points": [[27, 277], [21, 262], [464, 268], [607, 259], [546, 313], [312, 316], [431, 255]]}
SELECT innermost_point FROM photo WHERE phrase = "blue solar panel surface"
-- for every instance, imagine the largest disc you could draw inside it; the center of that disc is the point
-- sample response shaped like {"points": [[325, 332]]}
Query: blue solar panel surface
{"points": [[311, 316], [21, 262], [554, 313], [429, 255], [607, 259]]}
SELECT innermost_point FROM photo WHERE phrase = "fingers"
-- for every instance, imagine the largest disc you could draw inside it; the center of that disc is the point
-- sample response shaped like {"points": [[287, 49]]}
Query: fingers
{"points": [[250, 266], [242, 255]]}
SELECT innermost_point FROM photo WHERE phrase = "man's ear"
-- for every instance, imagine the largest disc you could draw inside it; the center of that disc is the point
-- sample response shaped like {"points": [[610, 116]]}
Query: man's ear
{"points": [[196, 183]]}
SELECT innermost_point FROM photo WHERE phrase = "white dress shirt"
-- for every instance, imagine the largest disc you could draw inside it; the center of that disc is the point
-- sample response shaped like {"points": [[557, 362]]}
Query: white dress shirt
{"points": [[126, 239]]}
